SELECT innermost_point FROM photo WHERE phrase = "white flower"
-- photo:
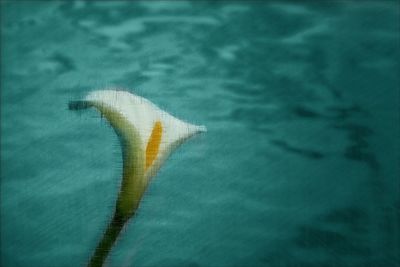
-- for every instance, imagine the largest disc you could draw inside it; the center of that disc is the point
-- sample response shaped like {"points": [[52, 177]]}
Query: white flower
{"points": [[147, 134]]}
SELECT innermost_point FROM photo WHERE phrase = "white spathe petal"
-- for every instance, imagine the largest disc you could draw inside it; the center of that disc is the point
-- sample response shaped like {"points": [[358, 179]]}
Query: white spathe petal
{"points": [[147, 134]]}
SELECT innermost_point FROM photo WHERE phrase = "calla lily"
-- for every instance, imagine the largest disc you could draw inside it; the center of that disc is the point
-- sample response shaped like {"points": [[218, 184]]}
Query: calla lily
{"points": [[147, 135]]}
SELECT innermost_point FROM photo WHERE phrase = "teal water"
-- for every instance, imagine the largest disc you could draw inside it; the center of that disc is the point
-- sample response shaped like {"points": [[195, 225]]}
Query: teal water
{"points": [[300, 164]]}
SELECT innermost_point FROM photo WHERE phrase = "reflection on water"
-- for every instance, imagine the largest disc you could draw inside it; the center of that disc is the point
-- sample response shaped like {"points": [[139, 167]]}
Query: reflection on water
{"points": [[300, 164]]}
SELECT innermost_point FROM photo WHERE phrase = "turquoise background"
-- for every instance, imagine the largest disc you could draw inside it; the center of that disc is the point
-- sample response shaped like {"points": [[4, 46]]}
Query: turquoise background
{"points": [[300, 164]]}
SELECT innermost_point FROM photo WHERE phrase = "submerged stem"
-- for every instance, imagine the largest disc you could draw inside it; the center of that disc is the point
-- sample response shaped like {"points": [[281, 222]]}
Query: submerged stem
{"points": [[108, 240]]}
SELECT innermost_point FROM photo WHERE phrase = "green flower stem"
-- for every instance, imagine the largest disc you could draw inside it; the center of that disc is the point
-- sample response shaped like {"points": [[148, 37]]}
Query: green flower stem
{"points": [[108, 240]]}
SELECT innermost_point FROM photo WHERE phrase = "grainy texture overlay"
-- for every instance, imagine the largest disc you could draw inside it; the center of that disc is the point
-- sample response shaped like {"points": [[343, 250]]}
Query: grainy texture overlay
{"points": [[300, 164]]}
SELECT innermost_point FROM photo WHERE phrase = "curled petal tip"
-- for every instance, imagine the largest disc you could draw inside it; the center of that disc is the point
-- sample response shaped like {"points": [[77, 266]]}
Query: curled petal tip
{"points": [[78, 105], [201, 129]]}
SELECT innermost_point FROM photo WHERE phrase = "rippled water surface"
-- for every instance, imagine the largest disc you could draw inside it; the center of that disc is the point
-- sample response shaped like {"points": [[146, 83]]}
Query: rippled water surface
{"points": [[300, 163]]}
